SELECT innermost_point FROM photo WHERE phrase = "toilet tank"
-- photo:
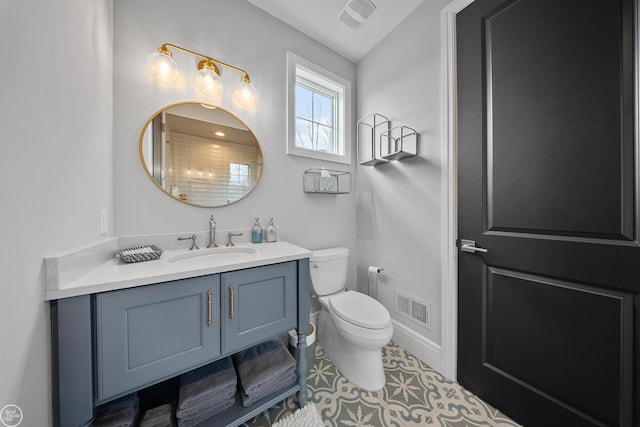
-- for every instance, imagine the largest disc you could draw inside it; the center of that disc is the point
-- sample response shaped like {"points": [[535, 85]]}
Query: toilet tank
{"points": [[329, 270]]}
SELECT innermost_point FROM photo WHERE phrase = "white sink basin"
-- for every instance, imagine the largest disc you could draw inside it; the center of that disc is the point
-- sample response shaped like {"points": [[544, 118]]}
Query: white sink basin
{"points": [[214, 255]]}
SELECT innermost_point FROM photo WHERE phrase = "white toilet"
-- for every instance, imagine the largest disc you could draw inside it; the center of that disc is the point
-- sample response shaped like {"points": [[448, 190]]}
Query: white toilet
{"points": [[352, 327]]}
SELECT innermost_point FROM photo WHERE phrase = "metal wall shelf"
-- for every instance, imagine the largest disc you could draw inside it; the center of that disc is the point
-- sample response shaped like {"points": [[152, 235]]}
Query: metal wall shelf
{"points": [[379, 143], [398, 143], [326, 181], [369, 131]]}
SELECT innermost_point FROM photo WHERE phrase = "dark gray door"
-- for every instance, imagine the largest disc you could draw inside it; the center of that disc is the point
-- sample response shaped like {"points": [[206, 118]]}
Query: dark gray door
{"points": [[548, 185]]}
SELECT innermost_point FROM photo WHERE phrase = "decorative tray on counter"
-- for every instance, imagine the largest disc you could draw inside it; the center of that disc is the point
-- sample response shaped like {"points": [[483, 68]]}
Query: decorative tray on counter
{"points": [[139, 253]]}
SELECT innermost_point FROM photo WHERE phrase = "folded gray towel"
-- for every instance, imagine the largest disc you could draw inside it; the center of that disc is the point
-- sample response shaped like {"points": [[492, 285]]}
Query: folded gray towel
{"points": [[122, 412], [206, 381], [269, 384], [212, 398], [204, 405], [258, 365], [161, 416], [122, 418], [248, 400], [201, 416]]}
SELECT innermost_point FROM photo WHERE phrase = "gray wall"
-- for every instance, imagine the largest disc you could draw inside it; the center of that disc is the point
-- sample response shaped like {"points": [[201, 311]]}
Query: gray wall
{"points": [[238, 33], [55, 168], [398, 204]]}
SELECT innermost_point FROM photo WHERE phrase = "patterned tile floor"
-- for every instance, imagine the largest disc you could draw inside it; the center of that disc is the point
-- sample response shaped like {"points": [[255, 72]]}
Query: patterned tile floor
{"points": [[415, 395]]}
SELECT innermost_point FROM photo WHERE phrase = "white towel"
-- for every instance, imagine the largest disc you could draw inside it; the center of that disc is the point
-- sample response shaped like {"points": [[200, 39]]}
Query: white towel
{"points": [[303, 417]]}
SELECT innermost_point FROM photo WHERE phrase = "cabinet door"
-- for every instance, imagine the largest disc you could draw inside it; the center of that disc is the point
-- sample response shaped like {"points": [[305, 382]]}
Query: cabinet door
{"points": [[258, 303], [148, 334]]}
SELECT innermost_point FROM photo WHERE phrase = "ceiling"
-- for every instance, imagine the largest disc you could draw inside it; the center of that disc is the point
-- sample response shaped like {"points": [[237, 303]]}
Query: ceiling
{"points": [[319, 20]]}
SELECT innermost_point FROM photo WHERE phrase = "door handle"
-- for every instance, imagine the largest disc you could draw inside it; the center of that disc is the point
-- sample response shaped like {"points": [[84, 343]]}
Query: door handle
{"points": [[470, 247], [209, 320], [231, 303]]}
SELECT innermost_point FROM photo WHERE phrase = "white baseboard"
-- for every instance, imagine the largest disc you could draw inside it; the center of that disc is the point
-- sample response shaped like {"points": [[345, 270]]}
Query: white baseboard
{"points": [[421, 347]]}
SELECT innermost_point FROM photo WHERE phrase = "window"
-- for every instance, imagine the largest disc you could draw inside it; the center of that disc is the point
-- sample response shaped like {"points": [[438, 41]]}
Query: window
{"points": [[318, 112], [239, 174]]}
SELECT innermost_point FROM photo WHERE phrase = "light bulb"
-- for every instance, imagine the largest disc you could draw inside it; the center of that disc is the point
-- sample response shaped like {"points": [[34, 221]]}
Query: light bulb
{"points": [[208, 81], [162, 68], [246, 96]]}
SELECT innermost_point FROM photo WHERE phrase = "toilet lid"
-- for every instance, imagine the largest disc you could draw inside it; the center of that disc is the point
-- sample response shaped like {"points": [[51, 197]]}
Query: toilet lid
{"points": [[360, 309]]}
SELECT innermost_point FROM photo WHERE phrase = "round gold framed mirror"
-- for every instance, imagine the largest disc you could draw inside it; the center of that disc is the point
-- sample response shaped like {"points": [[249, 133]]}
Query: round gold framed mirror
{"points": [[200, 154]]}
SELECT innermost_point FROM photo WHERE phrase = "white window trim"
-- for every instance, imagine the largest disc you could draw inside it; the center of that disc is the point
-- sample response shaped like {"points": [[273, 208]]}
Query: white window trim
{"points": [[343, 116]]}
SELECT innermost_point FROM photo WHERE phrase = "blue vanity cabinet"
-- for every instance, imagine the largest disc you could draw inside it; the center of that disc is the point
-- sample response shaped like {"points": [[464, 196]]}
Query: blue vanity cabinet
{"points": [[113, 343], [154, 332], [257, 304]]}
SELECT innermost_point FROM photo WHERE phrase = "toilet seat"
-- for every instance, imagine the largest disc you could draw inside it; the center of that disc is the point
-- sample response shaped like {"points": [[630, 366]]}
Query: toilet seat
{"points": [[360, 310]]}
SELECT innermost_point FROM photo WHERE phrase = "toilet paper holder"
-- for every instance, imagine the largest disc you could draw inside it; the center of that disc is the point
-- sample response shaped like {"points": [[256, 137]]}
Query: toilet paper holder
{"points": [[376, 270], [372, 280]]}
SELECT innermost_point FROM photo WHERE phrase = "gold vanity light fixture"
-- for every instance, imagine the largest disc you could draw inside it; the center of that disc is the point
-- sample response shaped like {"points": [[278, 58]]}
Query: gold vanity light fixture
{"points": [[162, 68]]}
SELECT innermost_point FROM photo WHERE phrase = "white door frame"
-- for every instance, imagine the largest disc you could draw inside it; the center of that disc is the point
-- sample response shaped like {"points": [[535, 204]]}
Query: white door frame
{"points": [[449, 190]]}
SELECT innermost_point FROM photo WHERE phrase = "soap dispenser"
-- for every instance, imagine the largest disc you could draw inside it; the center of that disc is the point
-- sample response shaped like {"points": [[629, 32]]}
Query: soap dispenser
{"points": [[256, 232], [271, 231]]}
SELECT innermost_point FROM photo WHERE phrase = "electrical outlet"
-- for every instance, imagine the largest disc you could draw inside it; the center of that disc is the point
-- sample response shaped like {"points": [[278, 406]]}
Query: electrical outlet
{"points": [[104, 223]]}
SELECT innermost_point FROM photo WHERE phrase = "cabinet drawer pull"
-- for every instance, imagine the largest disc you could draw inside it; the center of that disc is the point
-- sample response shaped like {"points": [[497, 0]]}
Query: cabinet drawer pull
{"points": [[231, 303], [209, 313]]}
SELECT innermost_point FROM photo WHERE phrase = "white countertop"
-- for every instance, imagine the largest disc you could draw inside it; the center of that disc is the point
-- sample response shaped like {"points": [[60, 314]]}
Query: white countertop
{"points": [[115, 274]]}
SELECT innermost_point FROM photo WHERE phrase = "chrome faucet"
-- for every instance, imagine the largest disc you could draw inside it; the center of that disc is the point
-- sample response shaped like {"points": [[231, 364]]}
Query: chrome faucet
{"points": [[212, 233], [193, 241], [231, 235]]}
